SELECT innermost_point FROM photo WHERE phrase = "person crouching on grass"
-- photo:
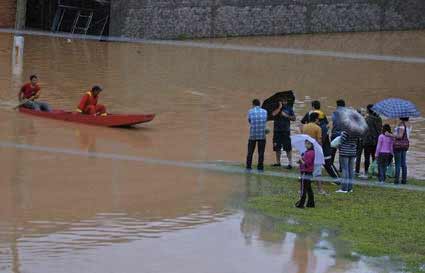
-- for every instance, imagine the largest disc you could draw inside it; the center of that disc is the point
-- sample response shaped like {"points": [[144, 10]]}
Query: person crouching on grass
{"points": [[306, 168]]}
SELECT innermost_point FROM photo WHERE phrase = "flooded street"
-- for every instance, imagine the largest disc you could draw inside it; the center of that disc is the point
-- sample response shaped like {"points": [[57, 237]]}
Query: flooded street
{"points": [[77, 198]]}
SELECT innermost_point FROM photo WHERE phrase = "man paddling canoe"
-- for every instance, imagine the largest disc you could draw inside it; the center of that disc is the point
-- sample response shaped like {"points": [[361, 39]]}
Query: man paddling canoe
{"points": [[29, 93], [88, 103]]}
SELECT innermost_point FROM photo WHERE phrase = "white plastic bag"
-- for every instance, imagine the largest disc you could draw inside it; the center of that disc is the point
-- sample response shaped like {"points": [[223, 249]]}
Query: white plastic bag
{"points": [[336, 142]]}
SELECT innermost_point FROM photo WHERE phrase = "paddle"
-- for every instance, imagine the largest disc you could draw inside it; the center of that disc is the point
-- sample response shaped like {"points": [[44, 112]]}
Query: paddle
{"points": [[25, 101], [21, 104]]}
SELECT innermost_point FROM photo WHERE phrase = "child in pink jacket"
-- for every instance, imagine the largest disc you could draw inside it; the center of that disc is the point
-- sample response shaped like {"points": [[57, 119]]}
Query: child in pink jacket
{"points": [[384, 151], [306, 168]]}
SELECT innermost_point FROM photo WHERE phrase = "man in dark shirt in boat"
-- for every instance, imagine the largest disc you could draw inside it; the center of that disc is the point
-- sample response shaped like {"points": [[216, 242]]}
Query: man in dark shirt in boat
{"points": [[88, 103], [29, 93]]}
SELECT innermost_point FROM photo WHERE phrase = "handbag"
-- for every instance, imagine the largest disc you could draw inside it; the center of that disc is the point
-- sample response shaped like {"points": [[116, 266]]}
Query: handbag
{"points": [[402, 144]]}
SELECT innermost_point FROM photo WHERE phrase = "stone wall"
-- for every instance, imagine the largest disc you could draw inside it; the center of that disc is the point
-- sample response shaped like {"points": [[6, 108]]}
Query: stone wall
{"points": [[7, 13], [165, 19]]}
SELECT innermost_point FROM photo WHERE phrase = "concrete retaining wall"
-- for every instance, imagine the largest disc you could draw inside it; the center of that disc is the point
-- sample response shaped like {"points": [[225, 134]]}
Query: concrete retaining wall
{"points": [[165, 19], [7, 13]]}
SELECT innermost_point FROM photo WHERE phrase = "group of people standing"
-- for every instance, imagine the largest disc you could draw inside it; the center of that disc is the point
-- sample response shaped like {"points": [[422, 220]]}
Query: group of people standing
{"points": [[257, 118], [378, 143]]}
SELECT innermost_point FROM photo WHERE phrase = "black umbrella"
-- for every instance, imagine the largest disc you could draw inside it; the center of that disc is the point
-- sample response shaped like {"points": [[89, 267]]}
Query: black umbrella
{"points": [[272, 103]]}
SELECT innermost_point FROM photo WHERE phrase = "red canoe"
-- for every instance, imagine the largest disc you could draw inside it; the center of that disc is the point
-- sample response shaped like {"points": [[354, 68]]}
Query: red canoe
{"points": [[111, 120]]}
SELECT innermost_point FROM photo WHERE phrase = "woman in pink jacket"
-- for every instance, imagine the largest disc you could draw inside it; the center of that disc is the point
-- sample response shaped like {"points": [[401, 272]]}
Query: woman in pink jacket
{"points": [[384, 151]]}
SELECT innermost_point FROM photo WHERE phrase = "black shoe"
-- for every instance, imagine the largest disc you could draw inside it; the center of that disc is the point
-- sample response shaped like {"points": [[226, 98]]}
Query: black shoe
{"points": [[276, 165], [260, 170], [288, 167]]}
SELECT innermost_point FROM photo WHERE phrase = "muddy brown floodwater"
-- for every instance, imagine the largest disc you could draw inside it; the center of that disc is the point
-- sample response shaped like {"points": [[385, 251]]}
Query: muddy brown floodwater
{"points": [[76, 198]]}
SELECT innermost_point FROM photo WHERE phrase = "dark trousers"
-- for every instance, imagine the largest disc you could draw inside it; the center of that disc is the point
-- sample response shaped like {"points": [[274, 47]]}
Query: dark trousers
{"points": [[331, 169], [306, 191], [384, 160], [251, 149], [359, 153], [369, 151], [333, 154]]}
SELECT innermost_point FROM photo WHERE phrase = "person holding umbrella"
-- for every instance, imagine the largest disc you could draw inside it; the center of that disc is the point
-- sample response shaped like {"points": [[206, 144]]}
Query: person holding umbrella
{"points": [[401, 146], [353, 125], [257, 118], [282, 116], [403, 110], [306, 168], [336, 126], [370, 139], [315, 131], [326, 144]]}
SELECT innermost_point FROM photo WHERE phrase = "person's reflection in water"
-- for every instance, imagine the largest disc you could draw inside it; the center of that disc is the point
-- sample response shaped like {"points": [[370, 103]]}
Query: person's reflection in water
{"points": [[301, 254], [23, 131], [311, 253], [263, 228], [87, 140]]}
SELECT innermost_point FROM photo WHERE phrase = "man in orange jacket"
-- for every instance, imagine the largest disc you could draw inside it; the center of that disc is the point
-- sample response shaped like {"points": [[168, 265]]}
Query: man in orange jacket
{"points": [[88, 103]]}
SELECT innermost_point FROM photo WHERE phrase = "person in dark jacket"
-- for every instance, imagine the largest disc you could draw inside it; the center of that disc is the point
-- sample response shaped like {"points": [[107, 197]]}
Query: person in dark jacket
{"points": [[370, 139], [336, 126], [282, 116], [326, 144], [360, 148], [306, 168]]}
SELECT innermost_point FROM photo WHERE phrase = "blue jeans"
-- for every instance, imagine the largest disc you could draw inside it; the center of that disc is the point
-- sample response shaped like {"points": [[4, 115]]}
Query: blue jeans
{"points": [[400, 163], [37, 106], [347, 166]]}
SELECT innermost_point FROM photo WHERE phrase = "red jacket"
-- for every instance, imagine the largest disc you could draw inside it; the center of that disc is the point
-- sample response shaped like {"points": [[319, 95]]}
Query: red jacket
{"points": [[86, 100], [308, 158]]}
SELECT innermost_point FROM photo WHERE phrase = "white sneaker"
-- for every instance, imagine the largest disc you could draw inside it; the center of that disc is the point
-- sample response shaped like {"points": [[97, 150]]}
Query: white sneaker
{"points": [[341, 191]]}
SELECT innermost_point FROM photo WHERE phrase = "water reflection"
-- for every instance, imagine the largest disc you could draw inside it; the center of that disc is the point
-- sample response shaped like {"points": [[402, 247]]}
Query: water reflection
{"points": [[62, 210]]}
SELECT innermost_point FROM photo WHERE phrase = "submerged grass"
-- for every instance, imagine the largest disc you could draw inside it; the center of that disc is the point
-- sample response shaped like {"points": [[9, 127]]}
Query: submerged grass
{"points": [[374, 221]]}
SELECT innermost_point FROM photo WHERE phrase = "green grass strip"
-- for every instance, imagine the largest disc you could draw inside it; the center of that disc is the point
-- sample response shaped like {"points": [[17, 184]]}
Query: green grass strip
{"points": [[374, 221]]}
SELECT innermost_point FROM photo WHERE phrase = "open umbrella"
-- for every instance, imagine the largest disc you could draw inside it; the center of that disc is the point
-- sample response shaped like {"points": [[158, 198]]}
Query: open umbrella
{"points": [[272, 103], [298, 143], [352, 121], [396, 108]]}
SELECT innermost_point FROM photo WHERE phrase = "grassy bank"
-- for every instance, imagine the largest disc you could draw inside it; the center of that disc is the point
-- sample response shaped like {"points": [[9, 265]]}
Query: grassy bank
{"points": [[374, 221]]}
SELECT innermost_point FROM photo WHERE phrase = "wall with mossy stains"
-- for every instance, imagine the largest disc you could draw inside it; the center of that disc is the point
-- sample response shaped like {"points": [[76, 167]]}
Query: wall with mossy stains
{"points": [[171, 19], [7, 13]]}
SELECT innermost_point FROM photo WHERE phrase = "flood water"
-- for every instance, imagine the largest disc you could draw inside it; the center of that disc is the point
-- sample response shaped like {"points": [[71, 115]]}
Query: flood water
{"points": [[66, 207]]}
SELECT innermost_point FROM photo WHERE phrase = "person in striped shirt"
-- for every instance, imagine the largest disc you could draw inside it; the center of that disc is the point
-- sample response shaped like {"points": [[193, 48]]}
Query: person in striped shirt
{"points": [[347, 158]]}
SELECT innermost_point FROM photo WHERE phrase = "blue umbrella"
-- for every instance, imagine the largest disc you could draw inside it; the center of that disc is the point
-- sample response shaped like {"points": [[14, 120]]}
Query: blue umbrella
{"points": [[396, 108]]}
